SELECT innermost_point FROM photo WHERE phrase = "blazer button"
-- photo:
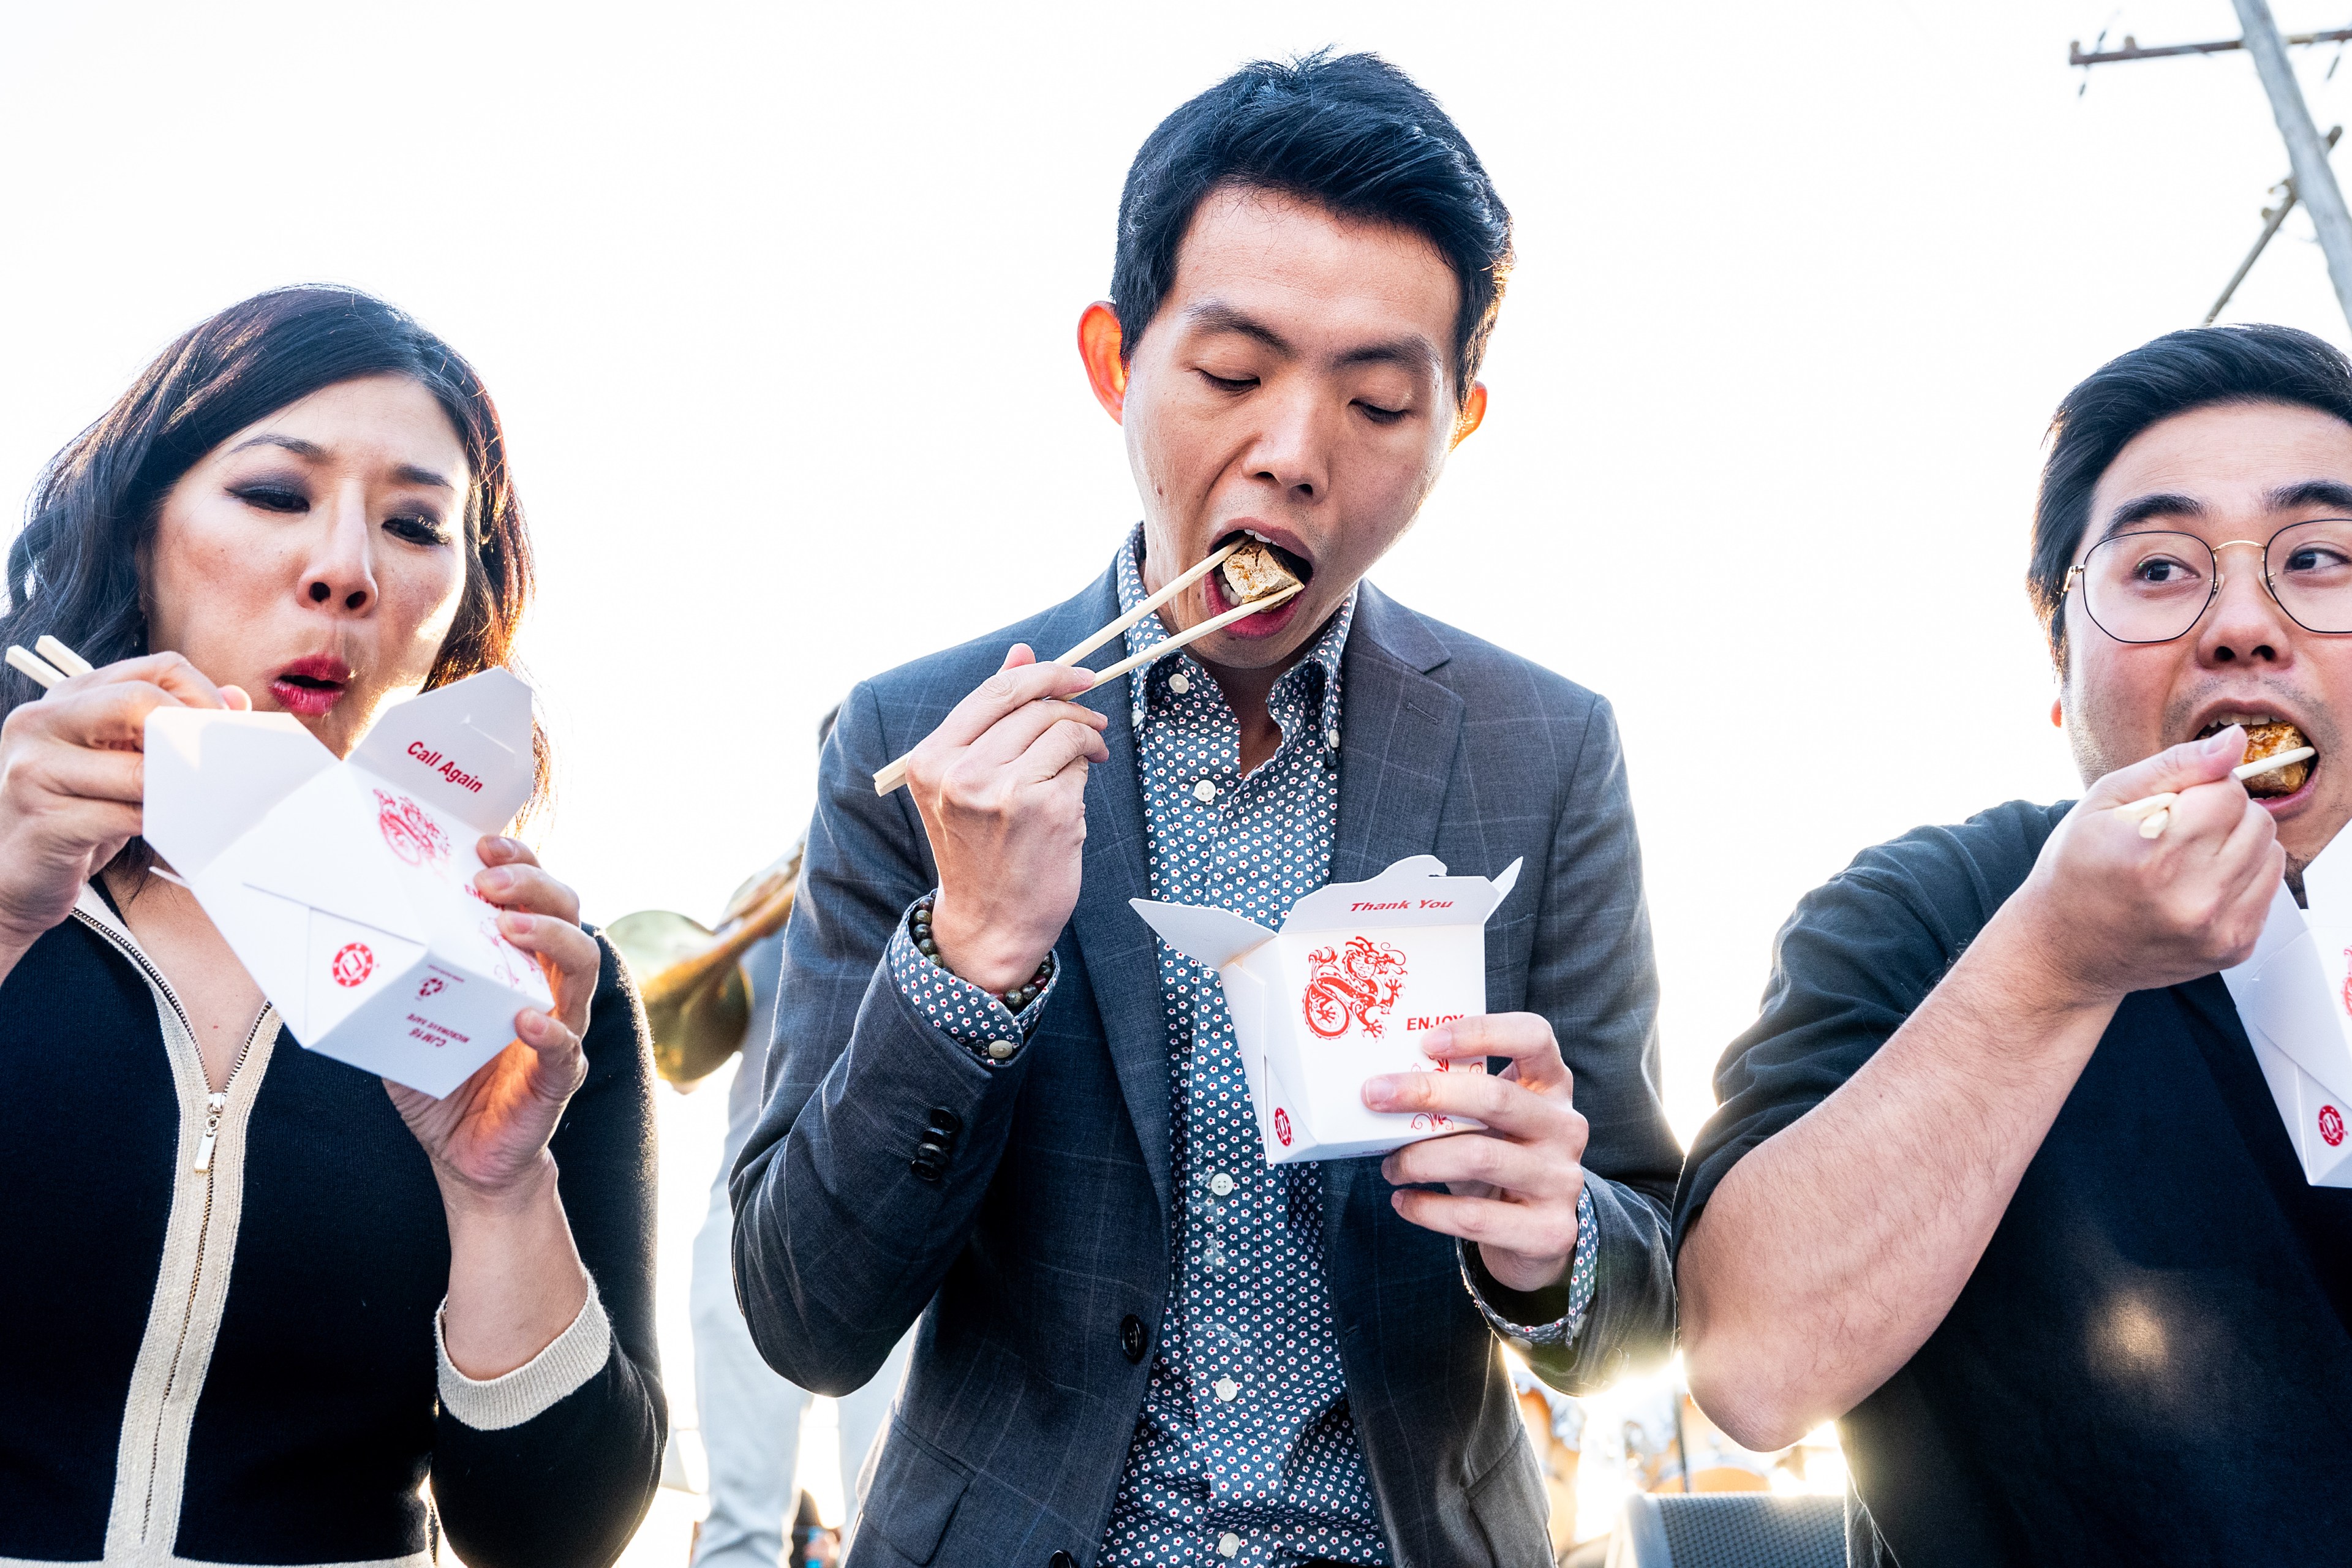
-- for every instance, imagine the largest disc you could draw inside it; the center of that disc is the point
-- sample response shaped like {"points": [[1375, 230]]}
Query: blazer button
{"points": [[1061, 1560], [1131, 1336], [927, 1170]]}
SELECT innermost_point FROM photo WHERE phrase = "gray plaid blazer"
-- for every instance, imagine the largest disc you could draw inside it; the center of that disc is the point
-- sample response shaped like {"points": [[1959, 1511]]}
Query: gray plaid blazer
{"points": [[1039, 1261]]}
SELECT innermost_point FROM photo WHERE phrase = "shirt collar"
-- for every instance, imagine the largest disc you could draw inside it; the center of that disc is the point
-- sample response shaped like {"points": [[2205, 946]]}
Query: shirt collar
{"points": [[1324, 655]]}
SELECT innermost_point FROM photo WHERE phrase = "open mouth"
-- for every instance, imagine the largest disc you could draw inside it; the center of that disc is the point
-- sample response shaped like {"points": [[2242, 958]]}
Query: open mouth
{"points": [[2266, 736], [312, 685], [1259, 568]]}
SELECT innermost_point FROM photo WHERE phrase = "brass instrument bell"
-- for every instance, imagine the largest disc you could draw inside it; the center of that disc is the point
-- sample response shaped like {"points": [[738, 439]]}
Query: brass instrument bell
{"points": [[697, 993]]}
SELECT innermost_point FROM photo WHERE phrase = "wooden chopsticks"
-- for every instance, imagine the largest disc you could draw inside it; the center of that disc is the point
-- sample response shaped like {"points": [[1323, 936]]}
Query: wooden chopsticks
{"points": [[51, 663], [892, 776], [2154, 812], [1216, 560], [1258, 606]]}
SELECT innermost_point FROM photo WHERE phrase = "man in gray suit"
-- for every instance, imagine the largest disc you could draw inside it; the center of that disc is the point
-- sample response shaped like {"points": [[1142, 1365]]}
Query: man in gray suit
{"points": [[1000, 1105]]}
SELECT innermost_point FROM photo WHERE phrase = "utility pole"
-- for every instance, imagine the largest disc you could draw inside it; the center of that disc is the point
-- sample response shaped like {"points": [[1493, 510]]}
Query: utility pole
{"points": [[2272, 218], [2307, 155], [2310, 179]]}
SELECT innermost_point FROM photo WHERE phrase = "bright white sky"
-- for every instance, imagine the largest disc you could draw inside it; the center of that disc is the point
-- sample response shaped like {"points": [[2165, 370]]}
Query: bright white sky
{"points": [[779, 309]]}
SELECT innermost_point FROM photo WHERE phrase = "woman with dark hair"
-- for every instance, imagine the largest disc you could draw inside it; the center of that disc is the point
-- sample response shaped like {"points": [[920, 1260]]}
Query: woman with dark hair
{"points": [[257, 1302]]}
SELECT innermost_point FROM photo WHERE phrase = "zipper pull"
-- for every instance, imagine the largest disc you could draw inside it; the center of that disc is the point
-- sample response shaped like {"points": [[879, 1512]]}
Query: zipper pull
{"points": [[214, 1103]]}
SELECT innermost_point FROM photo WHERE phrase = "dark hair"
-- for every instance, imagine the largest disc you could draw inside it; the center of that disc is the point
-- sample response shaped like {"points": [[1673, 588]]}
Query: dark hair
{"points": [[73, 571], [1351, 133], [2200, 367]]}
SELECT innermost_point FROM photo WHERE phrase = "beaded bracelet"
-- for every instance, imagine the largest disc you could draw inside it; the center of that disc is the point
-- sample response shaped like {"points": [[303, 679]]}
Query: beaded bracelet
{"points": [[1020, 996]]}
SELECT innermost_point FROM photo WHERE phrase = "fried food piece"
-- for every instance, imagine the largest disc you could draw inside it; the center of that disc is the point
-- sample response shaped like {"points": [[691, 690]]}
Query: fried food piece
{"points": [[2269, 741], [1253, 571]]}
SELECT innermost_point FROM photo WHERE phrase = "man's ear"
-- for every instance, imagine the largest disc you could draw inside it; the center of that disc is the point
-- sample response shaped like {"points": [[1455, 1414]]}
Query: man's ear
{"points": [[2058, 712], [1098, 344], [1474, 413]]}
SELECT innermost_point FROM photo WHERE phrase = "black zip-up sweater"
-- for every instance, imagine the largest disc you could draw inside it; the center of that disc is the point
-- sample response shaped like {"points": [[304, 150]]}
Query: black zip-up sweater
{"points": [[223, 1309]]}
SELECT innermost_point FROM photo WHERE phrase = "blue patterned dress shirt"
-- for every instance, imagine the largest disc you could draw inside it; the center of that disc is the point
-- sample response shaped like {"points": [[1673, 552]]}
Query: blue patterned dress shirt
{"points": [[1245, 1452]]}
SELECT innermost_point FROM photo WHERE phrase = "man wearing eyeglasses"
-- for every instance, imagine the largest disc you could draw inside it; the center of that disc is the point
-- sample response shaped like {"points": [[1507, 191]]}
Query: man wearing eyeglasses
{"points": [[1997, 1181]]}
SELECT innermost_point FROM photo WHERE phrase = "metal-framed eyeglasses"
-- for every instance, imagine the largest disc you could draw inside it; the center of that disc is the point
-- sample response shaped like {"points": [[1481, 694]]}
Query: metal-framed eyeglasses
{"points": [[2152, 587]]}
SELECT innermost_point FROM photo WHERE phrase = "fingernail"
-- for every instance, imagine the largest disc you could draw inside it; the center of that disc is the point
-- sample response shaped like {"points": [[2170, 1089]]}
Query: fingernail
{"points": [[1380, 1094], [497, 879], [2228, 741], [514, 925]]}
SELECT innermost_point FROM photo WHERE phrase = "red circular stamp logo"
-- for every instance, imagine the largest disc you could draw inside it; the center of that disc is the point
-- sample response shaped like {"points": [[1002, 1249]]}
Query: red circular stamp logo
{"points": [[1282, 1125], [431, 987], [352, 963], [2331, 1125]]}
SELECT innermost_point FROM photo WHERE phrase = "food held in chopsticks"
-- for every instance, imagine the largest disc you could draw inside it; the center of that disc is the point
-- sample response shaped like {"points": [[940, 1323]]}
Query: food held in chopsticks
{"points": [[1268, 571], [1256, 569], [2154, 812], [2267, 738]]}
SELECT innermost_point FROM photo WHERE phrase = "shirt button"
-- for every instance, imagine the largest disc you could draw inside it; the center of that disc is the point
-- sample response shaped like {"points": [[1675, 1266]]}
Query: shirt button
{"points": [[1331, 738], [1226, 1390], [1229, 1544], [1204, 792], [1180, 684], [1220, 1184], [1001, 1050]]}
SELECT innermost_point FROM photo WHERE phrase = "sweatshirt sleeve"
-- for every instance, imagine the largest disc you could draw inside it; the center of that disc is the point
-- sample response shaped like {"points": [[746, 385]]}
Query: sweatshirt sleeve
{"points": [[1858, 956], [556, 1462]]}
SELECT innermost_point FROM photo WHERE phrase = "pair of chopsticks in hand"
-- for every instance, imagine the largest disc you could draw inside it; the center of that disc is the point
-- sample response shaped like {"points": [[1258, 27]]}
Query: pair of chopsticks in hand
{"points": [[50, 662], [894, 776], [2154, 812]]}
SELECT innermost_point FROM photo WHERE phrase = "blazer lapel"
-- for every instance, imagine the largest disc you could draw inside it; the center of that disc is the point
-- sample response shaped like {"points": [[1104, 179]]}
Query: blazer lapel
{"points": [[1121, 955], [1398, 731]]}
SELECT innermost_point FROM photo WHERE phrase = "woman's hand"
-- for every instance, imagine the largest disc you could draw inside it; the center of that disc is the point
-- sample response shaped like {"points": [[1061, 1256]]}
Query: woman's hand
{"points": [[72, 779], [487, 1139]]}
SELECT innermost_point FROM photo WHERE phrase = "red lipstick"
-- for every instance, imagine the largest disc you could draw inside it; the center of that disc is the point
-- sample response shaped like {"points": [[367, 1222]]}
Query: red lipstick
{"points": [[310, 686]]}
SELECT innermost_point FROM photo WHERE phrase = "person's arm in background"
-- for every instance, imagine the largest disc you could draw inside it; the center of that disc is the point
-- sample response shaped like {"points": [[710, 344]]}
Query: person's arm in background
{"points": [[557, 1460], [840, 1238], [1832, 1250], [1591, 1140]]}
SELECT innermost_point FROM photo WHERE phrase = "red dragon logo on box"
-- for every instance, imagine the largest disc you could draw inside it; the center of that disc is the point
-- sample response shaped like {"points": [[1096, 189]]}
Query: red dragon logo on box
{"points": [[412, 835], [2331, 1125], [351, 964], [1359, 981]]}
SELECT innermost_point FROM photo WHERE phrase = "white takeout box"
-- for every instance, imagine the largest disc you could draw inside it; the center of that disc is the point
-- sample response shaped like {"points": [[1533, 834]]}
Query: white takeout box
{"points": [[1344, 992], [347, 889], [2294, 997]]}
